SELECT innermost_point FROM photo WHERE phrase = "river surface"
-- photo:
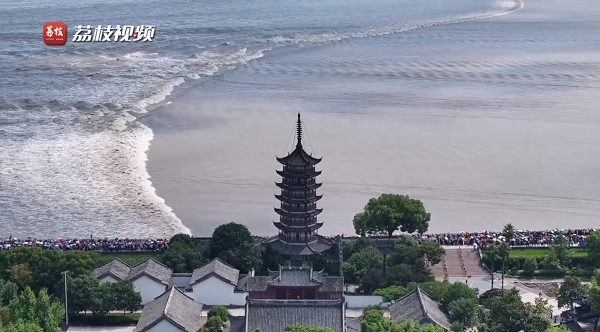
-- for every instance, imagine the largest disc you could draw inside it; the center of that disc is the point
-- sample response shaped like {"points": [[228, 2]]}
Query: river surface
{"points": [[484, 110]]}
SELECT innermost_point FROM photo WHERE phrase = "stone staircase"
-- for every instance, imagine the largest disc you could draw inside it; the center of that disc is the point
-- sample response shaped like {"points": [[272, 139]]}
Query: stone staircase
{"points": [[472, 263], [439, 269], [454, 263]]}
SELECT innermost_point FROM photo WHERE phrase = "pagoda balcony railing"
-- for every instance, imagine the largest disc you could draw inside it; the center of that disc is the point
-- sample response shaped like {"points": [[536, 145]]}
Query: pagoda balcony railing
{"points": [[298, 207], [299, 194], [301, 182], [299, 169], [297, 221], [297, 238]]}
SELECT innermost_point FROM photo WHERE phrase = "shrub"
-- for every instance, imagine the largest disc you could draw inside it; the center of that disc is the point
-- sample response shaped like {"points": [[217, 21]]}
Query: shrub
{"points": [[213, 324], [219, 311], [529, 267]]}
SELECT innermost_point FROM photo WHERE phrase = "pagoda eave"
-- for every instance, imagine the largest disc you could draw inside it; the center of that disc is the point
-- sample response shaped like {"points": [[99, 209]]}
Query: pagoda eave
{"points": [[301, 228], [298, 187], [290, 175], [299, 214], [299, 159], [286, 199]]}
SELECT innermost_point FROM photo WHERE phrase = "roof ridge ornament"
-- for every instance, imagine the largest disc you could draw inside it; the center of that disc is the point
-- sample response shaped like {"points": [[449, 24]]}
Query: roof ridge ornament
{"points": [[299, 131]]}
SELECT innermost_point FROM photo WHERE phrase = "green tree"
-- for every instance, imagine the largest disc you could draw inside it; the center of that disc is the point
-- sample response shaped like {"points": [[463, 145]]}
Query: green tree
{"points": [[371, 281], [457, 327], [504, 252], [213, 324], [508, 313], [390, 212], [271, 259], [374, 321], [363, 261], [8, 291], [81, 292], [391, 293], [40, 311], [570, 290], [21, 327], [408, 251], [21, 275], [228, 237], [594, 292], [432, 251], [126, 297], [185, 254], [399, 275], [22, 309], [538, 315], [558, 328], [362, 243], [300, 328], [560, 250], [220, 311], [492, 253], [529, 267], [46, 266], [464, 311], [103, 299], [247, 257], [438, 290], [592, 246], [182, 239], [509, 232], [49, 313], [459, 291]]}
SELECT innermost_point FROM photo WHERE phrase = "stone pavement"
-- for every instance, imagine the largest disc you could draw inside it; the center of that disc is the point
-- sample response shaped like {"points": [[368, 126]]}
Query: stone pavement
{"points": [[527, 295]]}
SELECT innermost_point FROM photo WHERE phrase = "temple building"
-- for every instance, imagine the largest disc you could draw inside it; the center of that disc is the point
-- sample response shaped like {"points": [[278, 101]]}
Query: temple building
{"points": [[295, 283], [295, 295], [298, 226]]}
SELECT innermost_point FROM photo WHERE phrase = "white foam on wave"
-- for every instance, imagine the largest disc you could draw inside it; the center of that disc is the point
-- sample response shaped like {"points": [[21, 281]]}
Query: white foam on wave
{"points": [[505, 7], [85, 167]]}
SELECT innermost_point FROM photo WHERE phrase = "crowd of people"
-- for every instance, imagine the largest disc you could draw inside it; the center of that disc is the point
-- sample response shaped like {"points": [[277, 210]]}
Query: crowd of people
{"points": [[525, 238], [108, 245]]}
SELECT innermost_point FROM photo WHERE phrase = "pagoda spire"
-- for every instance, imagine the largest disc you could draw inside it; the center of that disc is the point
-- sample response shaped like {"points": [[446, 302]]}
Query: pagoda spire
{"points": [[299, 131]]}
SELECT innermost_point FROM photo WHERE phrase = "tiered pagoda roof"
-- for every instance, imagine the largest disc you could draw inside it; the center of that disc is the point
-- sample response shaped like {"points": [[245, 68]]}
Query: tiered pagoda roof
{"points": [[298, 211]]}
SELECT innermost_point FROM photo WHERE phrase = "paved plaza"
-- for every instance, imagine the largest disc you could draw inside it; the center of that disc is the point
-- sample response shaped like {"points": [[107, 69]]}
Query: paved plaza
{"points": [[485, 283]]}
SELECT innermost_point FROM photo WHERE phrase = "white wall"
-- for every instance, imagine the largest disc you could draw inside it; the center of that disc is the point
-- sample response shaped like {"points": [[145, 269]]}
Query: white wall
{"points": [[164, 326], [180, 281], [108, 279], [148, 288], [213, 291], [363, 301], [239, 298]]}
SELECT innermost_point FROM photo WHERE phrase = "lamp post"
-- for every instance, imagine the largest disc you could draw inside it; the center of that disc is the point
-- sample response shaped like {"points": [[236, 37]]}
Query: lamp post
{"points": [[66, 306]]}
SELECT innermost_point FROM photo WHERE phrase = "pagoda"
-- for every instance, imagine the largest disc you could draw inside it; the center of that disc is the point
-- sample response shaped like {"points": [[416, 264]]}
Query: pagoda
{"points": [[298, 238]]}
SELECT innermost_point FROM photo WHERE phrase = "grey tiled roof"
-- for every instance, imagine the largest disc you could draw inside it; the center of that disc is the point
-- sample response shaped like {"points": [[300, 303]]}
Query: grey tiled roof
{"points": [[353, 324], [175, 307], [295, 276], [242, 281], [219, 268], [153, 269], [276, 315], [332, 284], [115, 268], [322, 244], [419, 306], [237, 323], [257, 284]]}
